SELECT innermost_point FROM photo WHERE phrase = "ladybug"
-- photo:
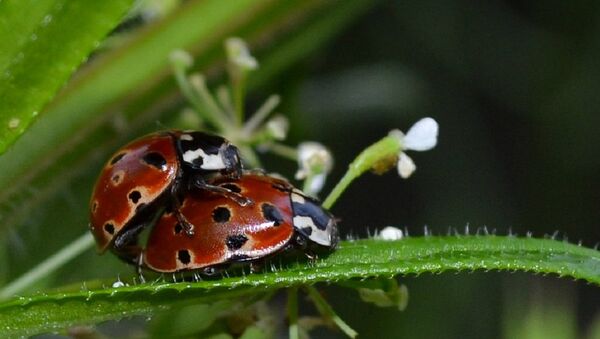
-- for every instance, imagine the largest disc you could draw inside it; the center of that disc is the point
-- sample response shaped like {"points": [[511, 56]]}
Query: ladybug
{"points": [[152, 172], [281, 218]]}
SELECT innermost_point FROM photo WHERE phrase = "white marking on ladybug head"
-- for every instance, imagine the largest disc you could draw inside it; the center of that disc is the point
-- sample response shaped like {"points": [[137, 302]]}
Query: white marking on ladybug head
{"points": [[209, 161], [321, 237], [297, 197], [186, 137]]}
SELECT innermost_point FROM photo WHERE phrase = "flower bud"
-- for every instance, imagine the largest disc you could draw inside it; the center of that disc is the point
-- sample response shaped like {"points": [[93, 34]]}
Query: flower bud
{"points": [[239, 55]]}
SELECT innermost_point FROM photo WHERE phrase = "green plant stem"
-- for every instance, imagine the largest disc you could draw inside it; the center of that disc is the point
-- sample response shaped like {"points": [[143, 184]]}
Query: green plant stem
{"points": [[224, 98], [261, 114], [239, 91], [192, 93], [382, 150], [250, 157], [221, 119], [292, 310], [284, 151], [48, 266], [327, 311]]}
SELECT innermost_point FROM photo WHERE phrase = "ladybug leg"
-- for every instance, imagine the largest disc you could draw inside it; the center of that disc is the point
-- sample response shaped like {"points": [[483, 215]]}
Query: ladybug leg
{"points": [[256, 267], [175, 207], [241, 200], [138, 267], [128, 238], [128, 253], [312, 257], [125, 244], [210, 271], [188, 228]]}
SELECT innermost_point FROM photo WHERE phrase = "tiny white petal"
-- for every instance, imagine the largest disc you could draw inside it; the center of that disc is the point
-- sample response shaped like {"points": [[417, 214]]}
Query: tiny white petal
{"points": [[406, 166], [317, 183], [239, 54], [391, 233], [313, 155], [422, 136], [278, 126]]}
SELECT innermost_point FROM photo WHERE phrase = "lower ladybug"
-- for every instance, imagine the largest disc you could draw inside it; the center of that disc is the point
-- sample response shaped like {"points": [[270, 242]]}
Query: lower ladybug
{"points": [[280, 218], [154, 171]]}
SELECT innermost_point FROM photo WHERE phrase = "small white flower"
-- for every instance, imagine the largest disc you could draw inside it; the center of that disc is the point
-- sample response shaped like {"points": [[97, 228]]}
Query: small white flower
{"points": [[278, 127], [239, 54], [314, 161], [422, 136], [391, 233], [316, 184]]}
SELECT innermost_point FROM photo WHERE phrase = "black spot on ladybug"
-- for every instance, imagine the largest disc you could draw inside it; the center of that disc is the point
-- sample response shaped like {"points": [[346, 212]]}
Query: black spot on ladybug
{"points": [[232, 187], [109, 228], [178, 228], [311, 209], [221, 214], [117, 158], [135, 196], [235, 242], [184, 257], [94, 206], [155, 159], [272, 213]]}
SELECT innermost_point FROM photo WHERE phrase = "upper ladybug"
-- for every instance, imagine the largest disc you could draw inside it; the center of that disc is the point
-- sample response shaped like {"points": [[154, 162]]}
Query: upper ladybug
{"points": [[152, 173]]}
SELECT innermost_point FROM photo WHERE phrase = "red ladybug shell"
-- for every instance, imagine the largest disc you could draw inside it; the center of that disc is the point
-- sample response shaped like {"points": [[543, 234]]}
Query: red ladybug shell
{"points": [[223, 232], [132, 179]]}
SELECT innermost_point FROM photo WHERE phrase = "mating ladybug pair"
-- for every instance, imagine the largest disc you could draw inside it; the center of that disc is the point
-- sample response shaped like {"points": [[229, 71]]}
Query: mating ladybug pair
{"points": [[205, 212]]}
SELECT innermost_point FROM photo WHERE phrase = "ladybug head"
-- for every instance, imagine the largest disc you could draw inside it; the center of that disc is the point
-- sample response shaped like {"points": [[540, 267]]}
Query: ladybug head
{"points": [[313, 222], [207, 152]]}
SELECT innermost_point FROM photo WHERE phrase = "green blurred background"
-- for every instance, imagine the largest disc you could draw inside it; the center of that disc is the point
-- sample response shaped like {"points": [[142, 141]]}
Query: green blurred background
{"points": [[514, 86]]}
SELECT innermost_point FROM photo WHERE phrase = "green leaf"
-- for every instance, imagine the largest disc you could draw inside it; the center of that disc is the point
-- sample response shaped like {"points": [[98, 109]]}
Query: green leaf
{"points": [[42, 43], [356, 259]]}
